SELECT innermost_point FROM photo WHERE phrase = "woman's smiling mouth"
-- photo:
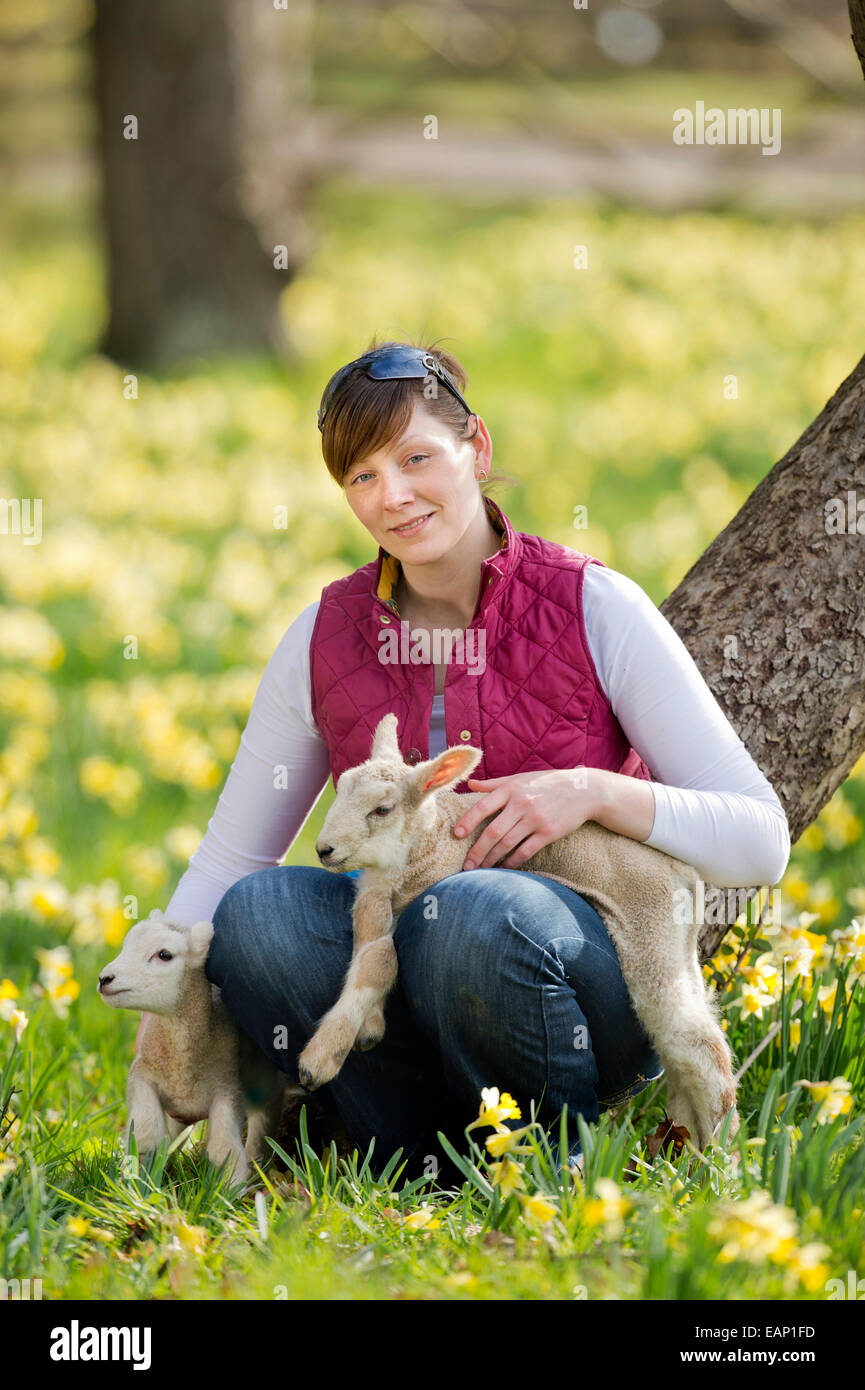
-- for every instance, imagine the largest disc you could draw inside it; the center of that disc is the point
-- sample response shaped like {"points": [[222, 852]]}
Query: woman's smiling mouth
{"points": [[413, 527]]}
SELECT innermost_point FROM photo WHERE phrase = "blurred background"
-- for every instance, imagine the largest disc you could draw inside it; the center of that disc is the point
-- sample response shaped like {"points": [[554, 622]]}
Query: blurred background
{"points": [[206, 213]]}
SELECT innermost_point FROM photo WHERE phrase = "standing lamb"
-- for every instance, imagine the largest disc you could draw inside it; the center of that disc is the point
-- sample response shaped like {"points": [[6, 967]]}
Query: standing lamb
{"points": [[395, 822], [193, 1063]]}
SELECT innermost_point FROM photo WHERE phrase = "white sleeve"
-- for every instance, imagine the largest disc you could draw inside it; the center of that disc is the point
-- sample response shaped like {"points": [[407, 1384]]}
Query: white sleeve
{"points": [[255, 822], [713, 806]]}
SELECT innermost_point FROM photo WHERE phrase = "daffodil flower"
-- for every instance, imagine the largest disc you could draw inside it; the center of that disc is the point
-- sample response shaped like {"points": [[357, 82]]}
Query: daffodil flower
{"points": [[495, 1109], [752, 1001], [608, 1207], [507, 1175], [536, 1208], [834, 1097], [424, 1218], [504, 1141], [754, 1229]]}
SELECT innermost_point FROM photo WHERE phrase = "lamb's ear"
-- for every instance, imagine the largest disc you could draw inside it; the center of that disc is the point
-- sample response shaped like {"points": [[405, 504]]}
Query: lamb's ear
{"points": [[384, 741], [200, 936], [453, 765]]}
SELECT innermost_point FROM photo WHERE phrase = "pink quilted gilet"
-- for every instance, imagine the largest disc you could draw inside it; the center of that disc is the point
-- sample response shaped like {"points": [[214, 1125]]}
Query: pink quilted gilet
{"points": [[537, 702]]}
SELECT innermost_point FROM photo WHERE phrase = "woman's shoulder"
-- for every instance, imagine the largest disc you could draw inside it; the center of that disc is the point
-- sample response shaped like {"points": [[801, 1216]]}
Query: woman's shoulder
{"points": [[606, 582], [293, 646]]}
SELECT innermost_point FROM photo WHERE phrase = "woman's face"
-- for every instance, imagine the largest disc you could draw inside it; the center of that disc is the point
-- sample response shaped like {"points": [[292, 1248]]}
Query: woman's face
{"points": [[427, 471]]}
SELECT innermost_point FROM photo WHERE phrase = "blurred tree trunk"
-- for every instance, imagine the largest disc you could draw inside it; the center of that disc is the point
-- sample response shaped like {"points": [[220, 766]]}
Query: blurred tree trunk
{"points": [[195, 206]]}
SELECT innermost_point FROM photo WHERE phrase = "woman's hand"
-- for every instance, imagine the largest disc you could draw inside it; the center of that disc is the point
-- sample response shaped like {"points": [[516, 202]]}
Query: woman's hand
{"points": [[535, 808]]}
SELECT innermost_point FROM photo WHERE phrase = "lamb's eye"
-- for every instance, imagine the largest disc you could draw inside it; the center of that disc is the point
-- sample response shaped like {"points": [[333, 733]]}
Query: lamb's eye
{"points": [[381, 811], [165, 955]]}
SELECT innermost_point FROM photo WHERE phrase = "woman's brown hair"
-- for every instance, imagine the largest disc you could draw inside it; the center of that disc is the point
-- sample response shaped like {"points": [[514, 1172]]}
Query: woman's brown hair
{"points": [[366, 414]]}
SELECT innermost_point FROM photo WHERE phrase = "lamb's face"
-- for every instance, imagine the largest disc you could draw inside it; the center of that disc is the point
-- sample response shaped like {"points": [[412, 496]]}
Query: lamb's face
{"points": [[382, 806], [153, 960], [367, 825]]}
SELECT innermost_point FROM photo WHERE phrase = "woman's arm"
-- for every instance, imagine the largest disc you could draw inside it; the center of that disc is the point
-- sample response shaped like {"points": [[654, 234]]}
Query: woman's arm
{"points": [[712, 806], [255, 822]]}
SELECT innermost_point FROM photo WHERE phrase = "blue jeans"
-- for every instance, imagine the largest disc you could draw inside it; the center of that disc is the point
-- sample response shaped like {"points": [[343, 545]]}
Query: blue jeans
{"points": [[506, 979]]}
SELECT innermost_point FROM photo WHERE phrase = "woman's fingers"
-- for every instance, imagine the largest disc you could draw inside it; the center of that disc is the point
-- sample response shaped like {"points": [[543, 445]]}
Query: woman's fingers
{"points": [[500, 836]]}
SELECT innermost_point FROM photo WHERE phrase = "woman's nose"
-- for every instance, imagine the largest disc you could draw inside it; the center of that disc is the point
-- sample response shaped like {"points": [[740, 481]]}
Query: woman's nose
{"points": [[395, 493]]}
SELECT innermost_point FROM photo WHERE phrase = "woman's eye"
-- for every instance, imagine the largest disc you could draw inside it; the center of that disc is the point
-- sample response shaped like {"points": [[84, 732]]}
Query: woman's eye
{"points": [[359, 477]]}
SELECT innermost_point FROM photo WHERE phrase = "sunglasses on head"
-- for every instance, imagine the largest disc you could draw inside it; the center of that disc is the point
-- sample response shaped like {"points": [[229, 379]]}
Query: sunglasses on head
{"points": [[390, 364]]}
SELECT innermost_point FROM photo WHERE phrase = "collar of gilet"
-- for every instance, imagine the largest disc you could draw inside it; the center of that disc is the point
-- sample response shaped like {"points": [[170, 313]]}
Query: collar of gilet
{"points": [[494, 568]]}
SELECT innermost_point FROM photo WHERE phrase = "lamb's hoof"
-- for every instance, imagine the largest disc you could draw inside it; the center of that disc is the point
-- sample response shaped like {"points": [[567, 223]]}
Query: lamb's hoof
{"points": [[307, 1080], [365, 1042]]}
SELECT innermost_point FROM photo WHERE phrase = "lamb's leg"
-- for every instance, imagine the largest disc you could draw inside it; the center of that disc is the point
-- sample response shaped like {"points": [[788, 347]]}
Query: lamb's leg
{"points": [[146, 1116], [679, 1020], [704, 1080], [357, 1014], [224, 1138], [174, 1127]]}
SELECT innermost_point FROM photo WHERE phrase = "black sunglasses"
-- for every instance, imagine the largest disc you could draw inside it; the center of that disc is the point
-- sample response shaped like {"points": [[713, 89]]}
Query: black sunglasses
{"points": [[389, 364]]}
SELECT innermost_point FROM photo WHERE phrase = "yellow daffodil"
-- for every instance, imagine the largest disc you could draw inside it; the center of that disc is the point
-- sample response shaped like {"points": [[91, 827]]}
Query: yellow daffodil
{"points": [[752, 1001], [78, 1225], [806, 1265], [42, 900], [507, 1175], [536, 1208], [607, 1207], [826, 996], [764, 975], [56, 965], [193, 1239], [15, 1017], [506, 1140], [754, 1229], [422, 1219], [8, 990], [833, 1097], [495, 1109], [62, 995]]}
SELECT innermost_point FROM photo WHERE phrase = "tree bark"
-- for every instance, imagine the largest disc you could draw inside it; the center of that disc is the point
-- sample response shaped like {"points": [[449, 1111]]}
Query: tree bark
{"points": [[773, 614], [215, 180]]}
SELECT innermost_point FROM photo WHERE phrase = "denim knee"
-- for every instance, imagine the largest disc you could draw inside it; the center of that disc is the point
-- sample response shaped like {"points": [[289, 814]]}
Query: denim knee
{"points": [[230, 920], [458, 939]]}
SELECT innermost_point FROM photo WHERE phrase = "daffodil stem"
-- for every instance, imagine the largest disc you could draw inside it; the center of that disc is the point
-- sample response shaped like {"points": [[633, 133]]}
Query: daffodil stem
{"points": [[773, 1032]]}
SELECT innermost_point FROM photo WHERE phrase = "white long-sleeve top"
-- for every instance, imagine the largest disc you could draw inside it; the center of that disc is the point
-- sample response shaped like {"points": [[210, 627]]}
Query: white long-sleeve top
{"points": [[713, 806]]}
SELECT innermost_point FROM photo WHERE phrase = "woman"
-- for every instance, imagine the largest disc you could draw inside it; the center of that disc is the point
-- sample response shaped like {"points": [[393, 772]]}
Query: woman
{"points": [[515, 983]]}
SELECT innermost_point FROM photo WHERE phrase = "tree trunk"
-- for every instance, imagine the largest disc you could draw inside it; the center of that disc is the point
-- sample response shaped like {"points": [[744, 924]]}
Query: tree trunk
{"points": [[773, 612], [214, 179]]}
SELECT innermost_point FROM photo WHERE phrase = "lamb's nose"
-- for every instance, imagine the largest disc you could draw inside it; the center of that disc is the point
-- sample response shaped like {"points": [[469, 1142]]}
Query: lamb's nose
{"points": [[324, 852], [105, 980]]}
